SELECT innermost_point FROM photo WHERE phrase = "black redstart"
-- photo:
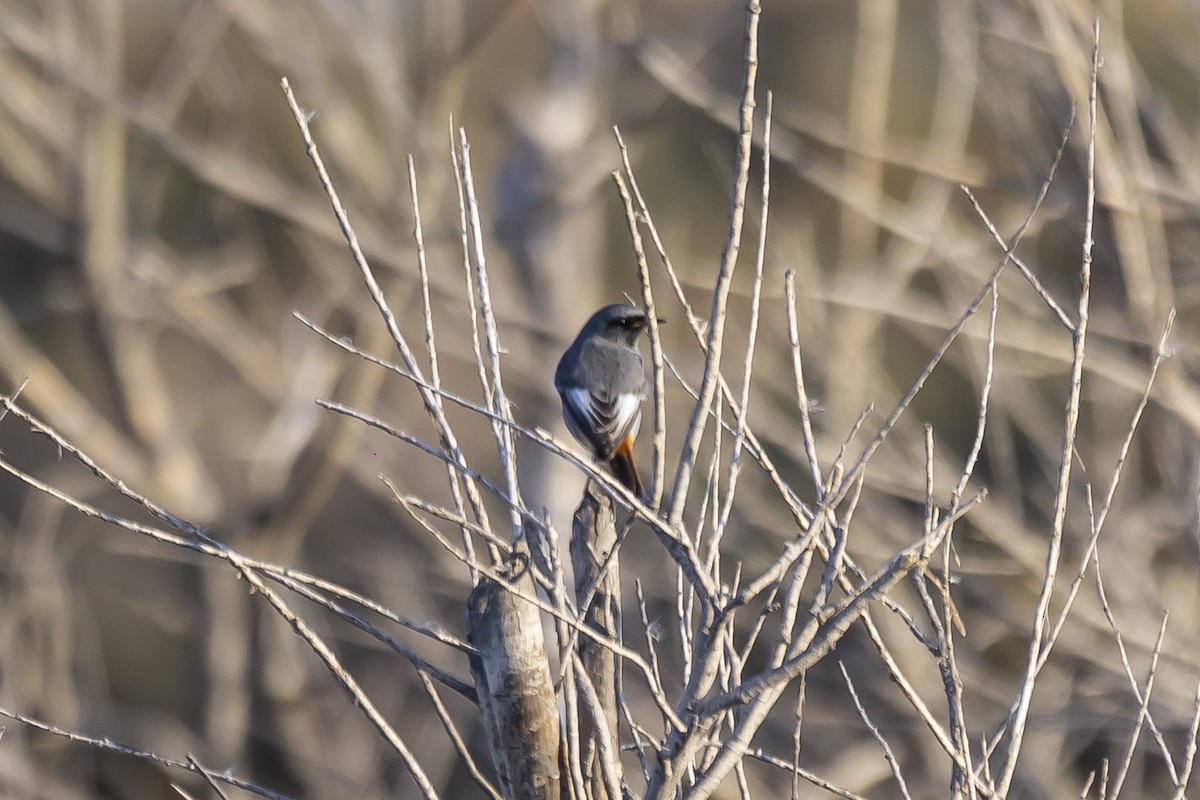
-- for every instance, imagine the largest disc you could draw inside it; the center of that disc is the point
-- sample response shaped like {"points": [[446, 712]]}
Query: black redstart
{"points": [[602, 383]]}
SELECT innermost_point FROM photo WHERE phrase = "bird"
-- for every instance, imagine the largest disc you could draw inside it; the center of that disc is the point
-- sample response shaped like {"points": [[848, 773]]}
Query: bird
{"points": [[601, 381]]}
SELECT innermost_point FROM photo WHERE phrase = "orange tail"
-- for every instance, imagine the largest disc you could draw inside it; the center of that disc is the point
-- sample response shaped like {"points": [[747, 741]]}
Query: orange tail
{"points": [[625, 470]]}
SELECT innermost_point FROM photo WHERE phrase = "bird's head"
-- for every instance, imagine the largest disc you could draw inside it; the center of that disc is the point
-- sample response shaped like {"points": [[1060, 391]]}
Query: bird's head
{"points": [[620, 322]]}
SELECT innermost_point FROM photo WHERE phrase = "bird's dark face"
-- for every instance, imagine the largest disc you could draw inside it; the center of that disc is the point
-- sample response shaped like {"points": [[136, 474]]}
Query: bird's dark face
{"points": [[618, 322]]}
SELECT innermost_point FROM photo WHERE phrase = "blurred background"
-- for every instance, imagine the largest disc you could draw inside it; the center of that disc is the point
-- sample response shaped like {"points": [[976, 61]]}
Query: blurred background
{"points": [[160, 223]]}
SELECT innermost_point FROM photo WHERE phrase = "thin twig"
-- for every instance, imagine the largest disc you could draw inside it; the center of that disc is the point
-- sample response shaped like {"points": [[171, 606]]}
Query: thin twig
{"points": [[1128, 668], [875, 732], [145, 755], [723, 283], [759, 754], [428, 397], [494, 388], [209, 777], [1189, 752], [802, 401], [1066, 458], [1118, 780], [653, 322], [952, 335], [739, 438], [435, 375]]}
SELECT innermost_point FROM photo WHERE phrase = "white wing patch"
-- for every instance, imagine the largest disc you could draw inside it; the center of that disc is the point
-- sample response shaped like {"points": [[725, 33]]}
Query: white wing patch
{"points": [[607, 423], [628, 411]]}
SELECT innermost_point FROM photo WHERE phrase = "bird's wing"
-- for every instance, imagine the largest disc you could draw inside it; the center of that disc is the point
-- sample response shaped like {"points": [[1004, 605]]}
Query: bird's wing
{"points": [[604, 422]]}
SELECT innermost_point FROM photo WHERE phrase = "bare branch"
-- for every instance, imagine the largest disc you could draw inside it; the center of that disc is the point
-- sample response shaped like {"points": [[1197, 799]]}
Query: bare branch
{"points": [[144, 755], [428, 396], [716, 322], [875, 732], [1066, 459]]}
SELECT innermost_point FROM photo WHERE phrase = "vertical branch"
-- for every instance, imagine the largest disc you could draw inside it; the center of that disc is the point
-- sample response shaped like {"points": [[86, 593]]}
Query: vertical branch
{"points": [[512, 676], [605, 783], [733, 241], [464, 227], [494, 389], [597, 595], [942, 646], [677, 751], [435, 374], [739, 437], [1189, 752], [810, 442], [1079, 337], [656, 350], [798, 715]]}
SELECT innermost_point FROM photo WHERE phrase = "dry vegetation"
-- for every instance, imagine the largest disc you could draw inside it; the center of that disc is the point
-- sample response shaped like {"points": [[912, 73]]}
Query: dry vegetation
{"points": [[930, 527]]}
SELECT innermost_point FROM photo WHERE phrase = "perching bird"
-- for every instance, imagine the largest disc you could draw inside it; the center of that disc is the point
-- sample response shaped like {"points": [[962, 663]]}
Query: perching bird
{"points": [[602, 383]]}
